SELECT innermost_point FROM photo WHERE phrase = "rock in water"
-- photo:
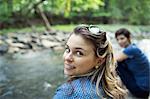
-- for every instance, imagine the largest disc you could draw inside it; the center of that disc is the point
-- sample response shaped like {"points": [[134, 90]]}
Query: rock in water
{"points": [[3, 49], [49, 44]]}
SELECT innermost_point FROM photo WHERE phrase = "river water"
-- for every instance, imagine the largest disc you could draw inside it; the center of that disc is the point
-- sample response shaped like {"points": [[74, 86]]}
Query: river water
{"points": [[34, 75]]}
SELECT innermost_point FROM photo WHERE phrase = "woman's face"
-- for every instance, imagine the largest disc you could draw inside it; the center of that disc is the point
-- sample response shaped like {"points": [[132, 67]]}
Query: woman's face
{"points": [[79, 56], [123, 41]]}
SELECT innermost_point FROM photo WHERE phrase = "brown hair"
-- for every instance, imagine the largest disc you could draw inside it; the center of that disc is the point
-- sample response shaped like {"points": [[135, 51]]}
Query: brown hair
{"points": [[123, 31]]}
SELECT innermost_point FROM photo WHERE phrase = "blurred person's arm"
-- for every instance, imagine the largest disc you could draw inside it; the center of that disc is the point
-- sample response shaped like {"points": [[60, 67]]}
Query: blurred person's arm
{"points": [[120, 56]]}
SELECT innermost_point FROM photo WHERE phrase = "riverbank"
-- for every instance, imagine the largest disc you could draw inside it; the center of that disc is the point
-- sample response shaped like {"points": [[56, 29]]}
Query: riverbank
{"points": [[24, 42], [29, 39]]}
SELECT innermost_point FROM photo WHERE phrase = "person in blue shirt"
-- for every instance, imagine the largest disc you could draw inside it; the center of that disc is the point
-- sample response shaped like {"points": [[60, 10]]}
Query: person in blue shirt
{"points": [[133, 65], [90, 66]]}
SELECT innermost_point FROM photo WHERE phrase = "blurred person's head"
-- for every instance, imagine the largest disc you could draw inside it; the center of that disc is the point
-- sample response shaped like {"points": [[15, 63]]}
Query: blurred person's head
{"points": [[123, 37], [89, 53]]}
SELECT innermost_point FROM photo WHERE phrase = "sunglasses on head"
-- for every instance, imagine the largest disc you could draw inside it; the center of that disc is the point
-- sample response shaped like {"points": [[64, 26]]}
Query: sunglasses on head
{"points": [[91, 28]]}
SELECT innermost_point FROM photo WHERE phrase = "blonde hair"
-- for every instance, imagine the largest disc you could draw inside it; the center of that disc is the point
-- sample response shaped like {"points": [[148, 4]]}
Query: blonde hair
{"points": [[110, 81], [105, 74]]}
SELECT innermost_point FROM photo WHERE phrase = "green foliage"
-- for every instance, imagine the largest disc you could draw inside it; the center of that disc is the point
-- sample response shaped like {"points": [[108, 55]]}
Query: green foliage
{"points": [[134, 11], [69, 7], [128, 11], [4, 11]]}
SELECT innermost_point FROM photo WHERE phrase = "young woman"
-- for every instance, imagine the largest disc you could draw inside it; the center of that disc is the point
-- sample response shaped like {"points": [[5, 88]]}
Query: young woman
{"points": [[90, 66], [133, 65]]}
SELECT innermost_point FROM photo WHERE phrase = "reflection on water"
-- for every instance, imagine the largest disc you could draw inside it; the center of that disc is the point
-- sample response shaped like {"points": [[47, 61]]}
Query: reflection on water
{"points": [[34, 75]]}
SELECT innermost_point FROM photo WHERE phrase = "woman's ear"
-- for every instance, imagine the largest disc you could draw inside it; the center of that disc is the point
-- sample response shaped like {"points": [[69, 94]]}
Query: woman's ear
{"points": [[101, 61]]}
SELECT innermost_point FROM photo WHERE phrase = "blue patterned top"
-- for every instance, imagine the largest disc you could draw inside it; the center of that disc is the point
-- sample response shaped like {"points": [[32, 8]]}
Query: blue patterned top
{"points": [[80, 88]]}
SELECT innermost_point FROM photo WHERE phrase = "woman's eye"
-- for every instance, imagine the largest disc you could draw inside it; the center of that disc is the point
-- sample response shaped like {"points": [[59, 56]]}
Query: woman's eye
{"points": [[67, 50], [79, 53]]}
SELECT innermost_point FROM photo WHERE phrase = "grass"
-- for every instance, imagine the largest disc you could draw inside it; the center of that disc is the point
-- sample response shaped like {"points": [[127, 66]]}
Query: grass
{"points": [[22, 30], [68, 28]]}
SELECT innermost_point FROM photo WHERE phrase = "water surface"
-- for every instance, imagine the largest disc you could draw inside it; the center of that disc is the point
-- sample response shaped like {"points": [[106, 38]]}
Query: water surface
{"points": [[34, 75]]}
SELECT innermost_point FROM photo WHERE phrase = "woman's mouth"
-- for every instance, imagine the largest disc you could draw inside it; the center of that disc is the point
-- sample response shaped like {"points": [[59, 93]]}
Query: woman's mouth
{"points": [[69, 67]]}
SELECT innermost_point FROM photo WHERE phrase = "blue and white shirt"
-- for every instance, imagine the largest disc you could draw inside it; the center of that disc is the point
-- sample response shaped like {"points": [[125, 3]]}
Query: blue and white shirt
{"points": [[80, 88]]}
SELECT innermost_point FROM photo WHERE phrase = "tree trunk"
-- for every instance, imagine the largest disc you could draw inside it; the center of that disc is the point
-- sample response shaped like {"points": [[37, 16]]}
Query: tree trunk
{"points": [[46, 22]]}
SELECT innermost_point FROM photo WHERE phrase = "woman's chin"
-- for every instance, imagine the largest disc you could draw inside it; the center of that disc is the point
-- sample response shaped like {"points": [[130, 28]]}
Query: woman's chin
{"points": [[67, 73]]}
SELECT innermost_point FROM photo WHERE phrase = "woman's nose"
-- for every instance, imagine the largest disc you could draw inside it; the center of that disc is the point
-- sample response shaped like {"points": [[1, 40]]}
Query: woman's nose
{"points": [[69, 57]]}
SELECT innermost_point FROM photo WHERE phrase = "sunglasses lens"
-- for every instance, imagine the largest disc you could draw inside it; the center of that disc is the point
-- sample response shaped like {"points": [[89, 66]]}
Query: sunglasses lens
{"points": [[94, 29]]}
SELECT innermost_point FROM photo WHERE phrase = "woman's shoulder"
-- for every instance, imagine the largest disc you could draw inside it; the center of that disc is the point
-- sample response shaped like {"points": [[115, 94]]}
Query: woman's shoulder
{"points": [[63, 90], [80, 87], [69, 86]]}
